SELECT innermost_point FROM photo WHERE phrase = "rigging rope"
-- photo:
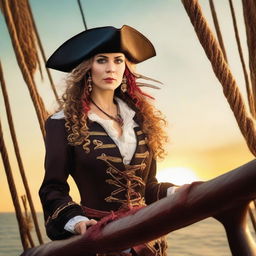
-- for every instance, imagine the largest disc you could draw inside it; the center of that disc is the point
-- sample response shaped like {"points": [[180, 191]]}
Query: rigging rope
{"points": [[246, 78], [217, 28], [17, 153], [24, 29], [222, 72], [13, 190], [27, 221], [37, 100], [42, 52], [82, 13], [249, 10], [220, 39], [248, 88]]}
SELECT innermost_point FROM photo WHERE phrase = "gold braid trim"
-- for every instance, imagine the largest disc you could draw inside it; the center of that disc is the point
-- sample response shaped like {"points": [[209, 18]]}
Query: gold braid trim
{"points": [[124, 181], [100, 145], [136, 167], [142, 142], [114, 159], [95, 133], [142, 155], [58, 210]]}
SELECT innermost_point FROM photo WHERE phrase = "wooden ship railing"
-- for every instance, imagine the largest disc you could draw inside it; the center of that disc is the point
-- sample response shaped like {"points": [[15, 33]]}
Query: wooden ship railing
{"points": [[226, 197]]}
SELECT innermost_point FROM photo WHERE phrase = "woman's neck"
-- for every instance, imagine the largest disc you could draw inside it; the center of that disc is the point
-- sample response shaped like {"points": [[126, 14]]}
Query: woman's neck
{"points": [[105, 100]]}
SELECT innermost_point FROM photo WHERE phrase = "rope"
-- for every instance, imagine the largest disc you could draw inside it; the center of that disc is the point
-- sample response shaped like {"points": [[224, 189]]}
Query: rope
{"points": [[249, 9], [38, 103], [42, 52], [217, 28], [247, 83], [27, 220], [82, 14], [17, 153], [13, 191], [219, 35], [222, 71], [24, 29], [246, 77]]}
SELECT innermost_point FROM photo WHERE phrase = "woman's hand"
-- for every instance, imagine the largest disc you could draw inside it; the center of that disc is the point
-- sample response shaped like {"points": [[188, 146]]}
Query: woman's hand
{"points": [[81, 226]]}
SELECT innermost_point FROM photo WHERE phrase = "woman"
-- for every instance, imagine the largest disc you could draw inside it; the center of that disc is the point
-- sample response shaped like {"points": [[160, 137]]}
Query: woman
{"points": [[107, 135]]}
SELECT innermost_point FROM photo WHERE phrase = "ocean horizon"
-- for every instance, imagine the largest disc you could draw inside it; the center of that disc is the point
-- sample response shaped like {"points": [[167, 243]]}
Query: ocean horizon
{"points": [[205, 238]]}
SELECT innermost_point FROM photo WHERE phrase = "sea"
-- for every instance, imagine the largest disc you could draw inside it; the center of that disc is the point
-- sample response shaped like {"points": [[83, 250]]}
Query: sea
{"points": [[205, 238]]}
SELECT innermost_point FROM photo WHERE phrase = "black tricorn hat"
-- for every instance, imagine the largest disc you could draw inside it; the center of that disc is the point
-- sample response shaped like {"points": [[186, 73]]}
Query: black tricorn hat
{"points": [[86, 44]]}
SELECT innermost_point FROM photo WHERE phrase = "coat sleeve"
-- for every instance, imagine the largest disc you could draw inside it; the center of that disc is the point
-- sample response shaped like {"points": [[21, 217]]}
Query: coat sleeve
{"points": [[57, 204], [155, 190]]}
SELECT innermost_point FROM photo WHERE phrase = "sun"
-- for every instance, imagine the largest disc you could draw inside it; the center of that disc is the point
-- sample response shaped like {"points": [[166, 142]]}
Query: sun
{"points": [[177, 175]]}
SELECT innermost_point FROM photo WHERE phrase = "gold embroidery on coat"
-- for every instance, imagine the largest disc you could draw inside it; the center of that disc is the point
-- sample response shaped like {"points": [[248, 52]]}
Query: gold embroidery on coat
{"points": [[85, 146], [113, 159], [97, 133], [136, 167], [58, 210], [139, 132], [124, 181], [99, 145], [142, 155], [142, 142]]}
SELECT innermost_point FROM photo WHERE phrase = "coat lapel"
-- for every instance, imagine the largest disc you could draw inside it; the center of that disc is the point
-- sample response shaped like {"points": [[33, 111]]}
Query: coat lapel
{"points": [[141, 152], [106, 149]]}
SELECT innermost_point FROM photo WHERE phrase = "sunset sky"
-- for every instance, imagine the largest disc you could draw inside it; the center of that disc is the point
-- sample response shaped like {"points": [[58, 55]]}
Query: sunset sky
{"points": [[203, 133]]}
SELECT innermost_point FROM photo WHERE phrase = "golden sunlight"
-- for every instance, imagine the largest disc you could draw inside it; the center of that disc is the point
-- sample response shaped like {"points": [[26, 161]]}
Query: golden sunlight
{"points": [[177, 175]]}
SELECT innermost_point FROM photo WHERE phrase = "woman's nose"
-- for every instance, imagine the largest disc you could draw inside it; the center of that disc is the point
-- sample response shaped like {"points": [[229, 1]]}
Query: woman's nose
{"points": [[111, 67]]}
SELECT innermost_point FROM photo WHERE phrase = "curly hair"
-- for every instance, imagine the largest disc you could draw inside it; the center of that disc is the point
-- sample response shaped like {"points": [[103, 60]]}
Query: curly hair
{"points": [[75, 102]]}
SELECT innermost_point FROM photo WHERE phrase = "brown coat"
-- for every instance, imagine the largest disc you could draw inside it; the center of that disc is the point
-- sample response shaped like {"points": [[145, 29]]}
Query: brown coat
{"points": [[104, 182]]}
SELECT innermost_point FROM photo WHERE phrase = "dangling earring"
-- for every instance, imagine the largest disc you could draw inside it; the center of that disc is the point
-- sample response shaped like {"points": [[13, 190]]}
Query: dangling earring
{"points": [[89, 83], [124, 85]]}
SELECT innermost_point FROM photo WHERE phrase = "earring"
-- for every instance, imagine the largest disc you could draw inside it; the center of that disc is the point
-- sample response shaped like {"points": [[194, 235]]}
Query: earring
{"points": [[124, 85], [89, 83]]}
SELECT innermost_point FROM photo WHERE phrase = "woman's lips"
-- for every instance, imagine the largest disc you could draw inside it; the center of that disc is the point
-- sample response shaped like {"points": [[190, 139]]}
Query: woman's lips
{"points": [[109, 79]]}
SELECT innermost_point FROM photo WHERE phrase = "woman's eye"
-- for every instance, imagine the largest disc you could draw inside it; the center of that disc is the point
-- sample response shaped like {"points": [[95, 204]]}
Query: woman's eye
{"points": [[100, 61], [119, 61]]}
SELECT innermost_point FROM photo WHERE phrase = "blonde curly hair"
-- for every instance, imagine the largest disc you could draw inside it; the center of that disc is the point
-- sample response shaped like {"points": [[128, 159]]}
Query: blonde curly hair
{"points": [[75, 102]]}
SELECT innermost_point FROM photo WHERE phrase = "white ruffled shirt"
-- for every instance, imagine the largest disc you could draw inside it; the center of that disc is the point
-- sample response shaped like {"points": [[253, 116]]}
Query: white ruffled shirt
{"points": [[126, 143]]}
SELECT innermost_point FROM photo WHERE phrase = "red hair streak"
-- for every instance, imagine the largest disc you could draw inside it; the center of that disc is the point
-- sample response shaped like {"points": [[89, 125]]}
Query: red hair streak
{"points": [[133, 89]]}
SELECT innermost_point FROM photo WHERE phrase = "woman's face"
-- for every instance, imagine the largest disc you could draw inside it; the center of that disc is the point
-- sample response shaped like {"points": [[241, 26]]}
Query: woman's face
{"points": [[107, 71]]}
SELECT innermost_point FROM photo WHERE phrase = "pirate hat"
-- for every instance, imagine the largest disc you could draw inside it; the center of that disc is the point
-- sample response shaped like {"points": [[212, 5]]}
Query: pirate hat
{"points": [[86, 44]]}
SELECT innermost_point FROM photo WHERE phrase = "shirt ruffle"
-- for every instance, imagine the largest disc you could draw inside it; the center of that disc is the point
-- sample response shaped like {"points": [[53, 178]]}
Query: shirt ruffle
{"points": [[127, 141]]}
